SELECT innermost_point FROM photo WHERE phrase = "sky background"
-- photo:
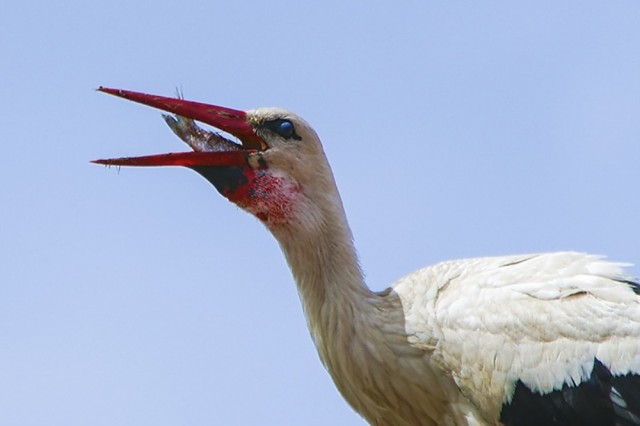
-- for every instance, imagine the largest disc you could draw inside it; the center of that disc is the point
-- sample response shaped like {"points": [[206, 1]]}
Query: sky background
{"points": [[454, 129]]}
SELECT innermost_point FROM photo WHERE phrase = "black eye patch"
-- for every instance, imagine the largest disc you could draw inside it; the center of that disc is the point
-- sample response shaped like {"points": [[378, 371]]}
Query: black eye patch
{"points": [[283, 128]]}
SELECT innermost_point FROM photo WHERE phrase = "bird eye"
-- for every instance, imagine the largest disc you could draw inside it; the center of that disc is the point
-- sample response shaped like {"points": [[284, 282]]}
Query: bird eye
{"points": [[285, 129]]}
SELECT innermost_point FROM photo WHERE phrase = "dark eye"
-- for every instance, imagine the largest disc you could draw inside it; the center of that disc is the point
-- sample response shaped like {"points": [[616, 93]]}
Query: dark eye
{"points": [[282, 127], [285, 129]]}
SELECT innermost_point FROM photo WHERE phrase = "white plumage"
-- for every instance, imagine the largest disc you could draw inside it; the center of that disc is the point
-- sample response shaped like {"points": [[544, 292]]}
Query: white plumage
{"points": [[541, 319], [531, 339]]}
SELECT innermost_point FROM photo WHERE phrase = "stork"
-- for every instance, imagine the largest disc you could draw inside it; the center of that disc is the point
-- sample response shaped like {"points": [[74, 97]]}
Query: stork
{"points": [[535, 339]]}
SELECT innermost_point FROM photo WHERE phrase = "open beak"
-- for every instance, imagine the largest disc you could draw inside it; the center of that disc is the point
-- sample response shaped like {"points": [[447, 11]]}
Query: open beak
{"points": [[229, 120]]}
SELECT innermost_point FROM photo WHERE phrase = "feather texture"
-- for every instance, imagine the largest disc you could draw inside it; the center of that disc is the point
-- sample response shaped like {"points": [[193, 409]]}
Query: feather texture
{"points": [[538, 321]]}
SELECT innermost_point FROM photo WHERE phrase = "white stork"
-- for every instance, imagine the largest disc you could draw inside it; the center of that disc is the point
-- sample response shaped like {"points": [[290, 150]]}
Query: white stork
{"points": [[538, 339]]}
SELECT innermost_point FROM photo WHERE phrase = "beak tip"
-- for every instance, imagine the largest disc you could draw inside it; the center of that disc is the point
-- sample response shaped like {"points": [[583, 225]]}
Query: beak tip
{"points": [[110, 91]]}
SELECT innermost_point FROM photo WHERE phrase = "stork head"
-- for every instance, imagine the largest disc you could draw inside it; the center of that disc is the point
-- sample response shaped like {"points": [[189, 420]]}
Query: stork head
{"points": [[276, 171]]}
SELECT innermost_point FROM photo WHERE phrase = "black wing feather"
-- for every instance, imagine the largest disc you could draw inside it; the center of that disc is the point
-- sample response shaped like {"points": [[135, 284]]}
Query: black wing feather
{"points": [[602, 400]]}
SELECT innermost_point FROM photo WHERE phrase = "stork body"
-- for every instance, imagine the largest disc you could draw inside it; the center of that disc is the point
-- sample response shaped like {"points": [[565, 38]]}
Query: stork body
{"points": [[532, 339]]}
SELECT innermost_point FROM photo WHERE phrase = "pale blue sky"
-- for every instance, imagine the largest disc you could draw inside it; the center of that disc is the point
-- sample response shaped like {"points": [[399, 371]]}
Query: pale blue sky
{"points": [[455, 129]]}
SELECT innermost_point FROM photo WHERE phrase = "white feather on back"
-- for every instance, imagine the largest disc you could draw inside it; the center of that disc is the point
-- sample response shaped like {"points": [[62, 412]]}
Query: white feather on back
{"points": [[541, 319]]}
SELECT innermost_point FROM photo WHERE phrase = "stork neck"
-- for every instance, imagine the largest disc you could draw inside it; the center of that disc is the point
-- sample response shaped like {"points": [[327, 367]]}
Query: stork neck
{"points": [[325, 266], [343, 315]]}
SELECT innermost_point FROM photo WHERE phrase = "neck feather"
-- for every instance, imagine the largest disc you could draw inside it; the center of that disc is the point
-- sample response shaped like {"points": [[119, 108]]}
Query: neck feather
{"points": [[320, 252]]}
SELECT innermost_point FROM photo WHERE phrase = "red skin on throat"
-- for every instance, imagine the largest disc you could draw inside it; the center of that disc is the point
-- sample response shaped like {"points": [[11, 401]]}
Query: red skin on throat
{"points": [[268, 196]]}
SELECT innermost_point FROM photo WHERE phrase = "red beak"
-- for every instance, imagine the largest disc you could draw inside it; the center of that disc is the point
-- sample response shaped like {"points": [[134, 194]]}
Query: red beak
{"points": [[229, 120]]}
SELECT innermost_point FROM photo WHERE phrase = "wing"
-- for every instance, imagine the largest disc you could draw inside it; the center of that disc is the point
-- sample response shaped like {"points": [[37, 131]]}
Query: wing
{"points": [[538, 339]]}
